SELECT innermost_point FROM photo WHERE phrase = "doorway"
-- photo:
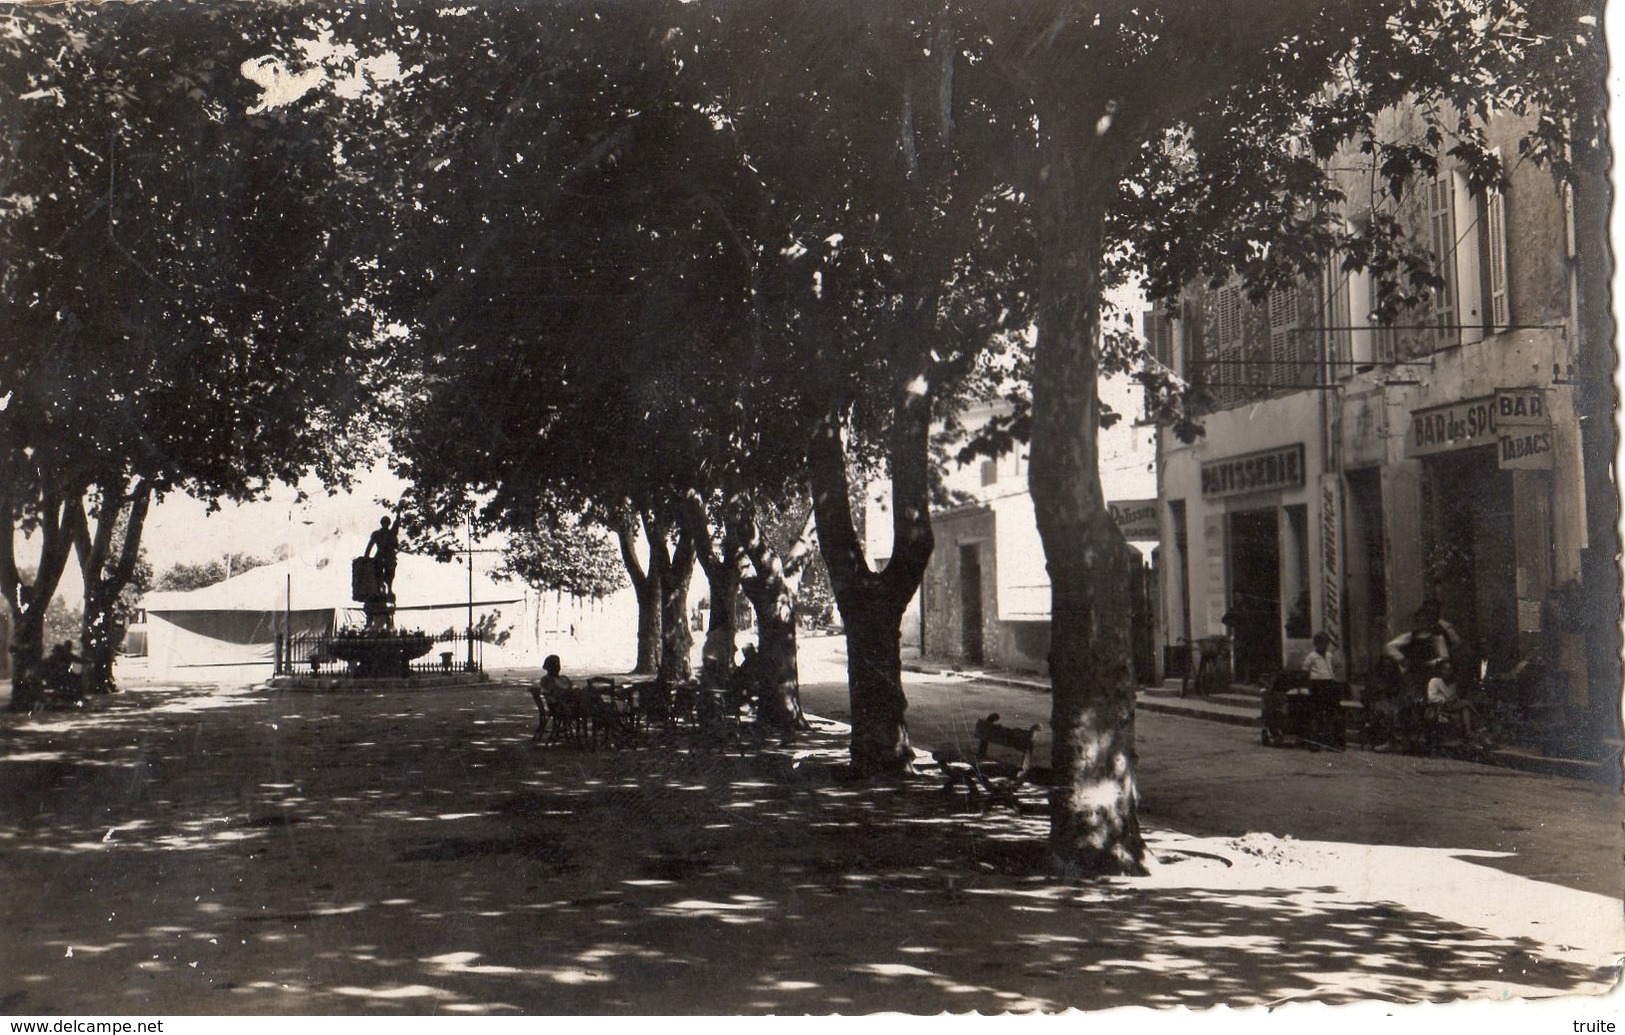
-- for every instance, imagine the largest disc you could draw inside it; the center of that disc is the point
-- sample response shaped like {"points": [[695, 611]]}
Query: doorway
{"points": [[1469, 535], [970, 603], [1255, 593], [1367, 573]]}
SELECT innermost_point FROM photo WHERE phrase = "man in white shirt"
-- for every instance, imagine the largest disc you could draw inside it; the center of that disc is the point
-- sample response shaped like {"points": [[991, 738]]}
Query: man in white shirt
{"points": [[1325, 691]]}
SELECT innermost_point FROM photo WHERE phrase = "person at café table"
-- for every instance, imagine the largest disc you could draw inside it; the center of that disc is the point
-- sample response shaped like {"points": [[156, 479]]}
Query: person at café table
{"points": [[552, 682]]}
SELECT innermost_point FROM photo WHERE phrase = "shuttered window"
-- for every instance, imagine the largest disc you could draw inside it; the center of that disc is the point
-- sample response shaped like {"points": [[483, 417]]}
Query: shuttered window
{"points": [[1159, 335], [1283, 309], [1443, 318], [1229, 324], [1226, 374], [1495, 261]]}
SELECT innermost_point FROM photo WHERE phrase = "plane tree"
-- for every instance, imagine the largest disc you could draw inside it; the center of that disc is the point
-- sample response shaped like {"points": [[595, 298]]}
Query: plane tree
{"points": [[1193, 139], [537, 248], [1169, 141], [563, 242], [886, 262], [902, 153], [158, 238], [562, 219]]}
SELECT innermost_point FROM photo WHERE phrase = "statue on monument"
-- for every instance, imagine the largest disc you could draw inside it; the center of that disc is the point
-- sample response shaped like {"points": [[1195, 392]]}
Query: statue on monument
{"points": [[382, 548], [379, 650], [372, 575]]}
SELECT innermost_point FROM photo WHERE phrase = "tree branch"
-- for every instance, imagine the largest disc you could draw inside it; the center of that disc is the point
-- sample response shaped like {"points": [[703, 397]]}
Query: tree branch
{"points": [[140, 502], [626, 535]]}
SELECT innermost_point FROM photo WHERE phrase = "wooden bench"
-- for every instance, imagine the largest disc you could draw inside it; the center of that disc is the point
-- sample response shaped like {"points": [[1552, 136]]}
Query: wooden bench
{"points": [[1002, 764]]}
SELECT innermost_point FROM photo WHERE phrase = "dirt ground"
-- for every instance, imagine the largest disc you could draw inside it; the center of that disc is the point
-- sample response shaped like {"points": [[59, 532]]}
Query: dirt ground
{"points": [[219, 850]]}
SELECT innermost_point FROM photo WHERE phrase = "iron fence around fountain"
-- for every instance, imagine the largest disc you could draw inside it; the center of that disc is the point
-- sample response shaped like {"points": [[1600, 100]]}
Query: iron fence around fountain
{"points": [[312, 654]]}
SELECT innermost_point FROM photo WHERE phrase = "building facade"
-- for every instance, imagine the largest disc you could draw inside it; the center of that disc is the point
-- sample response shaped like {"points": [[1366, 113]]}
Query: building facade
{"points": [[1353, 468], [985, 598]]}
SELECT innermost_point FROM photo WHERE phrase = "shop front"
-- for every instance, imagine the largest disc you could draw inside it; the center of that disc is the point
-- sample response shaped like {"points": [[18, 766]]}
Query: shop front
{"points": [[1242, 553], [1485, 521], [1466, 488], [1259, 498]]}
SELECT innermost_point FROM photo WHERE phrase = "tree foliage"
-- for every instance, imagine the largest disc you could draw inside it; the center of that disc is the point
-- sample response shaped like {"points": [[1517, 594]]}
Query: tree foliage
{"points": [[185, 577], [173, 321], [565, 554], [602, 265]]}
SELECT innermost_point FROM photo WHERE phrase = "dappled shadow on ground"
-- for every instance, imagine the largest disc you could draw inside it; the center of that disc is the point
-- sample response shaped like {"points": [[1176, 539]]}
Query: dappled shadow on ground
{"points": [[369, 853]]}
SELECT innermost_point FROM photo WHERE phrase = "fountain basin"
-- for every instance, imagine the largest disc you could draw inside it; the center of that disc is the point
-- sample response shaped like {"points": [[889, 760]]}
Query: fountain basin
{"points": [[381, 655]]}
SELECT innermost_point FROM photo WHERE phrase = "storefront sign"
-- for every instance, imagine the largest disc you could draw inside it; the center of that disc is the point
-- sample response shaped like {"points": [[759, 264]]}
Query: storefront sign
{"points": [[1136, 518], [1515, 420], [1521, 408], [1331, 560], [1440, 429], [1524, 449], [1270, 469]]}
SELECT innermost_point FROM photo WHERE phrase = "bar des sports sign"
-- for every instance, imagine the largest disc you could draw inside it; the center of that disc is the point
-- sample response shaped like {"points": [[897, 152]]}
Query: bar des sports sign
{"points": [[1516, 421]]}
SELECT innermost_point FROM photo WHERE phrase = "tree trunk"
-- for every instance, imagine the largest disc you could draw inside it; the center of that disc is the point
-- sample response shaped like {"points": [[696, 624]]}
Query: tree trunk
{"points": [[773, 600], [60, 521], [676, 639], [874, 674], [646, 587], [27, 652], [1094, 825], [722, 565], [721, 628], [872, 604], [1595, 402], [99, 633], [105, 577], [649, 627], [780, 704], [772, 592]]}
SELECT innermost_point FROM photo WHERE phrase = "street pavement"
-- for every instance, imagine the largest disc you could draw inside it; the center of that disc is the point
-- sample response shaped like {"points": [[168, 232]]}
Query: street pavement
{"points": [[1215, 778]]}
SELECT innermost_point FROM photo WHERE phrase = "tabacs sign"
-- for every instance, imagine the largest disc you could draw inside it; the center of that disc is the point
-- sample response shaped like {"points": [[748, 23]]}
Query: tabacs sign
{"points": [[1516, 421], [1136, 518], [1254, 472], [1524, 449]]}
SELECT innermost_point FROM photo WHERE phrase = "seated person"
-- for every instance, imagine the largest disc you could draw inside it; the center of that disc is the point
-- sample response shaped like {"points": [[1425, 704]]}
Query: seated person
{"points": [[549, 685], [1445, 697], [1429, 641], [56, 670], [750, 678]]}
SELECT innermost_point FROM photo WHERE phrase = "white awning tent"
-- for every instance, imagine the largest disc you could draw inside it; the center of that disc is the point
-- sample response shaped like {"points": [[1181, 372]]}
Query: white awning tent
{"points": [[236, 622]]}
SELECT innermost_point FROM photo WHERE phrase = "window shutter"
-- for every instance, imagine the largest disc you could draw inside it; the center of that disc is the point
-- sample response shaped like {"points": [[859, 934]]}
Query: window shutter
{"points": [[1469, 266], [1338, 291], [1571, 246], [1283, 310], [1232, 373], [1305, 340], [1229, 316], [1495, 244], [1362, 343], [1227, 376], [1192, 343], [1159, 335], [1442, 236]]}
